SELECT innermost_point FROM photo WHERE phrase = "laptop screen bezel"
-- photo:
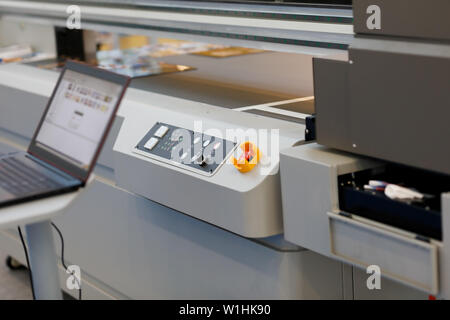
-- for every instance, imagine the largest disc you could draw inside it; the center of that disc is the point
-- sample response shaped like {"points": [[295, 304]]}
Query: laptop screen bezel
{"points": [[58, 160]]}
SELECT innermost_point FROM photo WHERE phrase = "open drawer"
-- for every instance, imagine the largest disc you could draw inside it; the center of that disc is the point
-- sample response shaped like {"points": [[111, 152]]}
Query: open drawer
{"points": [[422, 217], [401, 256]]}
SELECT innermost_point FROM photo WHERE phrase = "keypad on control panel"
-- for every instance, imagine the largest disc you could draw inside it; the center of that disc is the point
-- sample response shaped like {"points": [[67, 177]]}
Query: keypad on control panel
{"points": [[185, 147]]}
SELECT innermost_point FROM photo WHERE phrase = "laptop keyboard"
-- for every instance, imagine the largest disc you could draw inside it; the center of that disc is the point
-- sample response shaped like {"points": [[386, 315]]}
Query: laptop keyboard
{"points": [[18, 178]]}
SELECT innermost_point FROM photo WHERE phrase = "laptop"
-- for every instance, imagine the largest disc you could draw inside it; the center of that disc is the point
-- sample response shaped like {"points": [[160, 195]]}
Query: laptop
{"points": [[68, 138]]}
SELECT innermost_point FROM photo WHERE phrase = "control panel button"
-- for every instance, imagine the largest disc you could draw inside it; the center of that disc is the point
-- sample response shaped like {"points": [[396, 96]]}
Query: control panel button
{"points": [[206, 143], [197, 140], [217, 145], [151, 143], [177, 135], [206, 161], [209, 160], [161, 131], [197, 158]]}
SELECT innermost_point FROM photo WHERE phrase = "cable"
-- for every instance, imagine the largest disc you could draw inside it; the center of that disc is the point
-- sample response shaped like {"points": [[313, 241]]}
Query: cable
{"points": [[62, 257], [62, 245], [28, 261]]}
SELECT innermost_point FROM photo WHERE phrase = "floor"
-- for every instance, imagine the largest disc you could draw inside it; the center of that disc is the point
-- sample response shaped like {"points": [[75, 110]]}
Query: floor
{"points": [[14, 285]]}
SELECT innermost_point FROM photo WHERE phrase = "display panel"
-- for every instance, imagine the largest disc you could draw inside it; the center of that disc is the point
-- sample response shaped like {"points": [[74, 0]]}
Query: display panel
{"points": [[77, 117]]}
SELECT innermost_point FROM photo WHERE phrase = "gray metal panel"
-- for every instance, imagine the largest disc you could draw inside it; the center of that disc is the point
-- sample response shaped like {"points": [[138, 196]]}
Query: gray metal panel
{"points": [[144, 250], [106, 157], [323, 28], [253, 213], [390, 289], [399, 108], [309, 176], [331, 88], [20, 110], [407, 18], [400, 257]]}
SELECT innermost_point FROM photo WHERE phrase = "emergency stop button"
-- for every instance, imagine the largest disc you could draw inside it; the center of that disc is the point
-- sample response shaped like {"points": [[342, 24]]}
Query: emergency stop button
{"points": [[249, 158]]}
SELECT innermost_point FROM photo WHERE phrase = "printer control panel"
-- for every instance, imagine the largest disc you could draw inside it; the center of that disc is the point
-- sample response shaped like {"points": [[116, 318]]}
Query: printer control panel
{"points": [[194, 151]]}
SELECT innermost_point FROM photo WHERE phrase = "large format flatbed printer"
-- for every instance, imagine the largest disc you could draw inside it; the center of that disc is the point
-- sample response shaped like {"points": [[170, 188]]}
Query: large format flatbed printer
{"points": [[150, 229]]}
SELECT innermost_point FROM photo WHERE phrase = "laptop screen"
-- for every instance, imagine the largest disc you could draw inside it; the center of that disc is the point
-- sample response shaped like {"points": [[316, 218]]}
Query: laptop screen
{"points": [[77, 117]]}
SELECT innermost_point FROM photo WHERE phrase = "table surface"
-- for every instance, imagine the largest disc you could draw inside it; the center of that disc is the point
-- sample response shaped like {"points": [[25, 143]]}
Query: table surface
{"points": [[36, 210]]}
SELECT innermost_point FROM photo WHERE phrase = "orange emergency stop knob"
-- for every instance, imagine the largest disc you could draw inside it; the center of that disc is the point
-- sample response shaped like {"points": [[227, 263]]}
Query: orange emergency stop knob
{"points": [[249, 158]]}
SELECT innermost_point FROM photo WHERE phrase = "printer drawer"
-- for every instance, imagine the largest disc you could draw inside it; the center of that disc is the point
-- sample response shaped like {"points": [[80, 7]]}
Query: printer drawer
{"points": [[422, 217], [399, 255]]}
